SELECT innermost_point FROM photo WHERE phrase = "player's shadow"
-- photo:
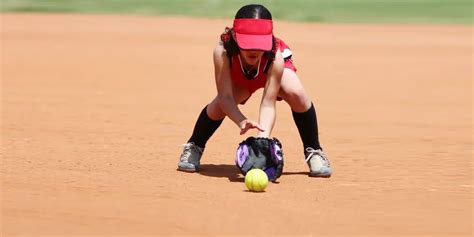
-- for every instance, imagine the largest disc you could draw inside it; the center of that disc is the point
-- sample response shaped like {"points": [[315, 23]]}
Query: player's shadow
{"points": [[230, 172], [295, 173]]}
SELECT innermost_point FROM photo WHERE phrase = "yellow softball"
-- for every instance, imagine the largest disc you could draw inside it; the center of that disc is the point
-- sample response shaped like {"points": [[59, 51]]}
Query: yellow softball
{"points": [[256, 180]]}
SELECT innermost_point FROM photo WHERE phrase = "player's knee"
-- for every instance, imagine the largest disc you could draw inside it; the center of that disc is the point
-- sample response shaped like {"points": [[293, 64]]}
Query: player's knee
{"points": [[214, 109], [298, 100], [298, 96]]}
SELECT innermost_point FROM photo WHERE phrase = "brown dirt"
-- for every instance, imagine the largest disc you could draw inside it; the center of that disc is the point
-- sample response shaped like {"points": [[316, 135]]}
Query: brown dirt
{"points": [[94, 109]]}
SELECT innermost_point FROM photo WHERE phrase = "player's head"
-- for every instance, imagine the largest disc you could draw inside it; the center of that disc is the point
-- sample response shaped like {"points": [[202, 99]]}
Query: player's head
{"points": [[251, 35], [253, 28]]}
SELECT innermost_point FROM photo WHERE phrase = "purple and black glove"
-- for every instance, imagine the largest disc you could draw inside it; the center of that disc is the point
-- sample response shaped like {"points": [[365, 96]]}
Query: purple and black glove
{"points": [[261, 153]]}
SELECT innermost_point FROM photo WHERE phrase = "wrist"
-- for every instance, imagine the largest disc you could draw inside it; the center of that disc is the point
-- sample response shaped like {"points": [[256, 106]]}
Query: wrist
{"points": [[242, 122], [263, 134]]}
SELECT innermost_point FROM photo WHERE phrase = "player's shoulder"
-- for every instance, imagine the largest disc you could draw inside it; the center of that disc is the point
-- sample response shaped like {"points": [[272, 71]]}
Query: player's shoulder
{"points": [[220, 54], [279, 60], [219, 50]]}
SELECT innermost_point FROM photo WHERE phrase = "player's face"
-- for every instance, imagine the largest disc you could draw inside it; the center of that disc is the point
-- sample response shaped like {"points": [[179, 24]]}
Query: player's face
{"points": [[251, 57]]}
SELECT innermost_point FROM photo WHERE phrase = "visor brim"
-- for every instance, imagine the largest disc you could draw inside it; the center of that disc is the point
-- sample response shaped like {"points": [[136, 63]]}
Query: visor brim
{"points": [[254, 42]]}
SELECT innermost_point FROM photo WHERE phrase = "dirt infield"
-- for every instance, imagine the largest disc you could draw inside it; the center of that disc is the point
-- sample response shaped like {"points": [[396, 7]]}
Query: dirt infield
{"points": [[95, 108]]}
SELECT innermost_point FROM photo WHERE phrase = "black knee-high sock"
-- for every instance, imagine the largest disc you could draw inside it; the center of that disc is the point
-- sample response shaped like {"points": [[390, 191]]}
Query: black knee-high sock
{"points": [[204, 128], [308, 127]]}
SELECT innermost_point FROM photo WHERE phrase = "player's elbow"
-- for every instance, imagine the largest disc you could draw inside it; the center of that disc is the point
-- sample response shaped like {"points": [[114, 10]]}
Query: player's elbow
{"points": [[224, 101]]}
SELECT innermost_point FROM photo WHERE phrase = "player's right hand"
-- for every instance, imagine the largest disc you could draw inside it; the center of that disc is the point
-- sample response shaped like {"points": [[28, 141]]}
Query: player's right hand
{"points": [[249, 124]]}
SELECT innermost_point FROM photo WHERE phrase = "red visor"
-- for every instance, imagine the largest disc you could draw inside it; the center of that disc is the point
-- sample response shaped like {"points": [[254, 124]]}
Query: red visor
{"points": [[254, 34]]}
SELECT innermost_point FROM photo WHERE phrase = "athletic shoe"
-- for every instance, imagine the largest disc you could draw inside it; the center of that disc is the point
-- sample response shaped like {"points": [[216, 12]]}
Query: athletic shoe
{"points": [[190, 158], [318, 163]]}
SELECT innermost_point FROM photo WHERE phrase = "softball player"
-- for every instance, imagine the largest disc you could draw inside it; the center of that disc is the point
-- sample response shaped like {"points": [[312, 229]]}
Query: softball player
{"points": [[247, 58]]}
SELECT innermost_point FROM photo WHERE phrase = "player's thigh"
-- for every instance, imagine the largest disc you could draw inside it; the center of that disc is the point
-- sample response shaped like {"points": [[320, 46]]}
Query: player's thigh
{"points": [[293, 92]]}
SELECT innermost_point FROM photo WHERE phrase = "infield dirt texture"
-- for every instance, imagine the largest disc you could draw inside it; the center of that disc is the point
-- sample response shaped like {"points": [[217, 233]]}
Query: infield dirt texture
{"points": [[95, 108]]}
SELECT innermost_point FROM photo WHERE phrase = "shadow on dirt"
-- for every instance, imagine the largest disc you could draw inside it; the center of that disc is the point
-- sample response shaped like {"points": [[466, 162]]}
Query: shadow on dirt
{"points": [[295, 173], [230, 172], [221, 171]]}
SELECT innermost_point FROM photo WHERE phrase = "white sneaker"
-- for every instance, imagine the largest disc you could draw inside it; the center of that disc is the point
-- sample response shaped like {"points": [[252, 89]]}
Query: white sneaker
{"points": [[318, 163], [190, 158]]}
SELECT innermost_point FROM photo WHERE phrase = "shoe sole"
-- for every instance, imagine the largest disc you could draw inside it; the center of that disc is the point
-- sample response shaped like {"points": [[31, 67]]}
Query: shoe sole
{"points": [[320, 174], [187, 170]]}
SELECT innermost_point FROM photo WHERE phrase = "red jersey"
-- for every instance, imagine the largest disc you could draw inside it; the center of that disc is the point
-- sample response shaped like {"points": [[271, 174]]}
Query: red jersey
{"points": [[259, 79]]}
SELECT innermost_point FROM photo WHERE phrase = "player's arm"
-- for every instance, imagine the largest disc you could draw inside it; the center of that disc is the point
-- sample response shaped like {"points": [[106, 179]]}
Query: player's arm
{"points": [[225, 94], [268, 104]]}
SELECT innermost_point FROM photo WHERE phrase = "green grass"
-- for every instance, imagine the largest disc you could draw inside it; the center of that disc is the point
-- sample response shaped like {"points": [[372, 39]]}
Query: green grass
{"points": [[348, 11]]}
